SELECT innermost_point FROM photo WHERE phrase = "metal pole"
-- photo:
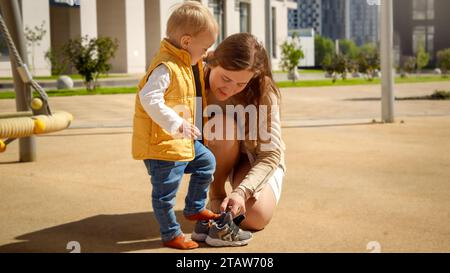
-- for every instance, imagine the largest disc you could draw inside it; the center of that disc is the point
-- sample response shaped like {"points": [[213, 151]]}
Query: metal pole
{"points": [[13, 19], [387, 62]]}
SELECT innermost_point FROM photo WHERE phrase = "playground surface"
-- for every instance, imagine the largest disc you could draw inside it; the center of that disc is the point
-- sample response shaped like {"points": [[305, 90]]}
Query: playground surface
{"points": [[350, 182]]}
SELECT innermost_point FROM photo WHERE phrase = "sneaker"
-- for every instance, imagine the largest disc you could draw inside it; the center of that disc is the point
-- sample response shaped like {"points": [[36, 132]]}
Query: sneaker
{"points": [[201, 230], [225, 232]]}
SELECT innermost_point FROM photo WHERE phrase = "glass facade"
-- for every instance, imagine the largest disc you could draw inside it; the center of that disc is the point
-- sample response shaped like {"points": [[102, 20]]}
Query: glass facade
{"points": [[244, 17], [423, 10], [218, 11], [274, 33], [307, 15], [423, 14], [363, 22]]}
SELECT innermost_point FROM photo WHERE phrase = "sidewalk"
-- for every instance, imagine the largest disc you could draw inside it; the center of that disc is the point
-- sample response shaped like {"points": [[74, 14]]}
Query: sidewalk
{"points": [[345, 187], [114, 81]]}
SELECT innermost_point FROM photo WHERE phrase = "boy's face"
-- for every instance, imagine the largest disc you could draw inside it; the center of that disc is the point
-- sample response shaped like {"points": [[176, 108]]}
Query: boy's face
{"points": [[198, 45]]}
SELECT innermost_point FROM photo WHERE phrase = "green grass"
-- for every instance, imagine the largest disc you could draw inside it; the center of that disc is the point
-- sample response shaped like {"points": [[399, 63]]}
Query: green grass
{"points": [[311, 71], [285, 84], [73, 76], [301, 71], [349, 82], [78, 92]]}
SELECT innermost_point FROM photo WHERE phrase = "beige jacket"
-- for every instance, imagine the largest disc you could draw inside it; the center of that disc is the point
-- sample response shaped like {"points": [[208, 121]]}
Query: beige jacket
{"points": [[266, 153]]}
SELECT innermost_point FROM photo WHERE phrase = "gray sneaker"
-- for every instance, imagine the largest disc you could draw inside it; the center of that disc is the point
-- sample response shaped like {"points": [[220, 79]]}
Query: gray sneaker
{"points": [[225, 232], [201, 230]]}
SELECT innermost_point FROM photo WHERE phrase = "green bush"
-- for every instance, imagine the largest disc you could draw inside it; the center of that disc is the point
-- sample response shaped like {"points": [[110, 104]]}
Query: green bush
{"points": [[323, 48], [440, 95], [368, 60], [336, 65], [349, 49], [422, 59], [58, 61], [443, 61], [90, 57], [408, 65], [291, 54]]}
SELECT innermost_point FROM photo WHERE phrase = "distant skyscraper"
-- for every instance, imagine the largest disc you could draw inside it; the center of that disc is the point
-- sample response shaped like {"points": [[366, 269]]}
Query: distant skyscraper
{"points": [[334, 19], [337, 19], [362, 22], [307, 15]]}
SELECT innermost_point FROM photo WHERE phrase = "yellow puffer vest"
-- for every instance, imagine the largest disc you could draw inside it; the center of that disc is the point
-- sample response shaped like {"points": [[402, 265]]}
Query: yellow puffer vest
{"points": [[150, 141]]}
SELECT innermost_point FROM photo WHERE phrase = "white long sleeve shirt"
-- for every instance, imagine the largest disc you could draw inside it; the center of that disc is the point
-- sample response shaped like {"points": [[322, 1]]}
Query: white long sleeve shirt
{"points": [[152, 100]]}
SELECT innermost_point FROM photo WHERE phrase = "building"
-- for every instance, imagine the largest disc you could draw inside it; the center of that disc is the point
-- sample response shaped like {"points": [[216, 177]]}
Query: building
{"points": [[338, 19], [139, 26], [307, 44], [362, 26], [307, 15], [334, 19], [421, 23]]}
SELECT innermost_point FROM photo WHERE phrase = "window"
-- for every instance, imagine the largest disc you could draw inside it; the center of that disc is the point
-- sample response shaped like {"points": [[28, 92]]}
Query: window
{"points": [[430, 10], [423, 37], [423, 9], [274, 33], [430, 40], [419, 38], [244, 14], [218, 11]]}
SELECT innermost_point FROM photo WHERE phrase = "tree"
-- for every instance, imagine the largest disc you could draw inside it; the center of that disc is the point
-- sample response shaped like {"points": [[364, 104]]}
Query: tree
{"points": [[443, 61], [409, 65], [336, 65], [291, 54], [349, 49], [422, 59], [90, 57], [341, 64], [368, 60], [323, 47], [58, 61], [34, 37], [327, 64]]}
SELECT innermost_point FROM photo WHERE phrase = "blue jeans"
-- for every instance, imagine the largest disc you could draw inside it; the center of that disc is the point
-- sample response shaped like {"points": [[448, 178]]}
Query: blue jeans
{"points": [[166, 177]]}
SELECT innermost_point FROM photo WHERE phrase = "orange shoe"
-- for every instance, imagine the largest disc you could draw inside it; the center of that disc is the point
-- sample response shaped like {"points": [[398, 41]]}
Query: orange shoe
{"points": [[180, 242], [203, 215]]}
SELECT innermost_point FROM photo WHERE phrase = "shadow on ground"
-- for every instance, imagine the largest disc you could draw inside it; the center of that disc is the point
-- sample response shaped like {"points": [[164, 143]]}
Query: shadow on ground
{"points": [[101, 233]]}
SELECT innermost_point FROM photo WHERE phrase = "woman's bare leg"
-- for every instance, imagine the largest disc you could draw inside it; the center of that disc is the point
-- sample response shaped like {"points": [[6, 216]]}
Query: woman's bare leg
{"points": [[258, 213], [226, 153]]}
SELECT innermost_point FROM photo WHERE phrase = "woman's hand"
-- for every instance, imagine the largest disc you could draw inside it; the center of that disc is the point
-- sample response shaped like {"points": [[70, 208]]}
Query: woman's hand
{"points": [[235, 203]]}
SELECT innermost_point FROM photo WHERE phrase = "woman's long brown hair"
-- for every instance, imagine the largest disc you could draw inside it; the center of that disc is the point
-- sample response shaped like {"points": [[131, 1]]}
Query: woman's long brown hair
{"points": [[242, 51]]}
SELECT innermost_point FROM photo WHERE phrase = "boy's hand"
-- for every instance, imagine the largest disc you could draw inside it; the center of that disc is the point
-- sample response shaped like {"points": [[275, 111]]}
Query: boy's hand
{"points": [[189, 130]]}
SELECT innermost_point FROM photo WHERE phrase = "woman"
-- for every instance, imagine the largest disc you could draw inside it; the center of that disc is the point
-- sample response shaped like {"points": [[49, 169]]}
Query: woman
{"points": [[238, 73]]}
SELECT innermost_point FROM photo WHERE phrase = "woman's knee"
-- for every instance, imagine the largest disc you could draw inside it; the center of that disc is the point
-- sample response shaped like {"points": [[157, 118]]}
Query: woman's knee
{"points": [[260, 212], [256, 220]]}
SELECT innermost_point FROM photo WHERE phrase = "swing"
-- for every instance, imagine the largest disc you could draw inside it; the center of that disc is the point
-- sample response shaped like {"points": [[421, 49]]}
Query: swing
{"points": [[40, 120]]}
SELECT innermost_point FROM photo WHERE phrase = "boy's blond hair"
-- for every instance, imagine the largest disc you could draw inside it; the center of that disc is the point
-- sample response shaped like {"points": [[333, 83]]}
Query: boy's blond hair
{"points": [[190, 18]]}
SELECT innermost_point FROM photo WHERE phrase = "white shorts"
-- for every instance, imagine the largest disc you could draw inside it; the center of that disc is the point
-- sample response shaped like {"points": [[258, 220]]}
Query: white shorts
{"points": [[275, 182]]}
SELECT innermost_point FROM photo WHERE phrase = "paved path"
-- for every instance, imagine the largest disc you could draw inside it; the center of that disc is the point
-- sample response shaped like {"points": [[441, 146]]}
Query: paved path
{"points": [[346, 185]]}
